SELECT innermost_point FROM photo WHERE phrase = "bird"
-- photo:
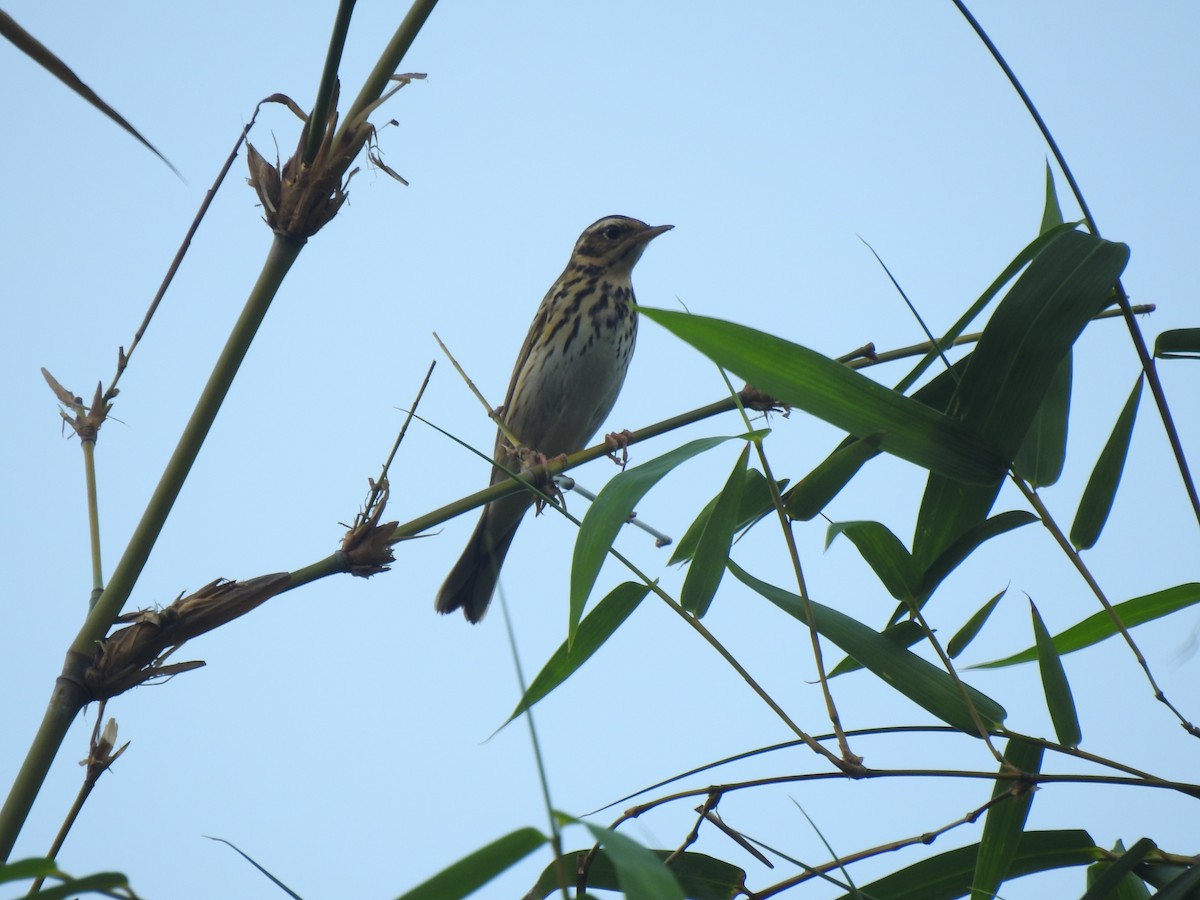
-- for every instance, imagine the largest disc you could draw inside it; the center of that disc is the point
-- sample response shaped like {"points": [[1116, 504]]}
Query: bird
{"points": [[564, 384]]}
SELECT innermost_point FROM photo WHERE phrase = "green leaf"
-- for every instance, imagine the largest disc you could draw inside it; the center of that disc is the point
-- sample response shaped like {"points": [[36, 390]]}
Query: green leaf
{"points": [[611, 509], [1030, 333], [1051, 212], [1019, 262], [1183, 887], [830, 391], [72, 888], [1179, 343], [701, 877], [1021, 348], [953, 555], [1099, 626], [1004, 823], [41, 54], [967, 633], [947, 876], [1097, 499], [25, 869], [756, 502], [265, 872], [474, 871], [640, 874], [814, 491], [949, 510], [1160, 874], [922, 682], [1055, 684], [596, 628], [708, 565], [1115, 880], [888, 558], [904, 633], [1040, 459]]}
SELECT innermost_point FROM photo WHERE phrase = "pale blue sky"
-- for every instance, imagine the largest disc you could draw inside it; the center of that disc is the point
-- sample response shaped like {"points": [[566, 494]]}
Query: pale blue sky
{"points": [[339, 734]]}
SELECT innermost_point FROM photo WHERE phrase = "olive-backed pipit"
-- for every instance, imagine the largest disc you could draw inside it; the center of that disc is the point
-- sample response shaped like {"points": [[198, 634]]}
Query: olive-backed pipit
{"points": [[565, 382]]}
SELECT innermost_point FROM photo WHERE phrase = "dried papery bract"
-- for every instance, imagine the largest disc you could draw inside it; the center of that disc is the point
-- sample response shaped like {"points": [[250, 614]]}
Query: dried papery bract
{"points": [[367, 546], [135, 654], [753, 398], [86, 420], [298, 199]]}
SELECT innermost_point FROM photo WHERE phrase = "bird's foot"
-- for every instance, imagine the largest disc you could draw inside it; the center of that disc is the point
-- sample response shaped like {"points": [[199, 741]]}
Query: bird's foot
{"points": [[531, 461], [618, 440]]}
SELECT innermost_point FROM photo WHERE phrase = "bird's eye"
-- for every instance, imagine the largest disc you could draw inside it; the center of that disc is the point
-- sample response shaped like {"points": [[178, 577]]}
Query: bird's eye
{"points": [[612, 232]]}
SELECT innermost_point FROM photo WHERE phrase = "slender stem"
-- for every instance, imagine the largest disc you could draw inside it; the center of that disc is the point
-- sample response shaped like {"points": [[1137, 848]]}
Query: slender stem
{"points": [[93, 513], [85, 791], [850, 759], [333, 58], [69, 693], [539, 760]]}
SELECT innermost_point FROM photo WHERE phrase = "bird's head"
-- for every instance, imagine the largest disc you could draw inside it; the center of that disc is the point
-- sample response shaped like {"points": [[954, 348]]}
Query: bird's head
{"points": [[615, 242]]}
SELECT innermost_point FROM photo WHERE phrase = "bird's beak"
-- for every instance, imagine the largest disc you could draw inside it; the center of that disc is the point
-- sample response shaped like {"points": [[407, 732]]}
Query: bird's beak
{"points": [[651, 233]]}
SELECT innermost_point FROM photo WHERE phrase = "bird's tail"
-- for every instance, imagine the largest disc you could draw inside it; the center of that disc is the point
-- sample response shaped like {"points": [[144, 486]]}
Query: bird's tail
{"points": [[471, 582]]}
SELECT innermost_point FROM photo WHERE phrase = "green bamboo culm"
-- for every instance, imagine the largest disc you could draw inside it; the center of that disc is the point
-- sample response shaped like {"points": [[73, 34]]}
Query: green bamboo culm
{"points": [[69, 694]]}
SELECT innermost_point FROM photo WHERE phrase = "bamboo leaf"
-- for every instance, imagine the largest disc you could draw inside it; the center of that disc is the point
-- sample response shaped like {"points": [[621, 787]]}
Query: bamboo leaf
{"points": [[1055, 684], [1030, 333], [967, 633], [836, 394], [953, 555], [1115, 880], [1022, 346], [756, 501], [611, 509], [922, 682], [596, 628], [1099, 626], [812, 493], [1019, 262], [100, 883], [1051, 212], [712, 550], [1004, 823], [904, 633], [1040, 459], [948, 876], [701, 877], [41, 54], [1097, 500], [888, 558], [640, 874], [1179, 343], [474, 871], [1183, 886]]}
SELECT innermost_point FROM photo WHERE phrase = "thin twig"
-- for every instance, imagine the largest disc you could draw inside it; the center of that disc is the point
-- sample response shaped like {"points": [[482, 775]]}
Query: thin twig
{"points": [[492, 414], [927, 837], [123, 355], [379, 486], [567, 483]]}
